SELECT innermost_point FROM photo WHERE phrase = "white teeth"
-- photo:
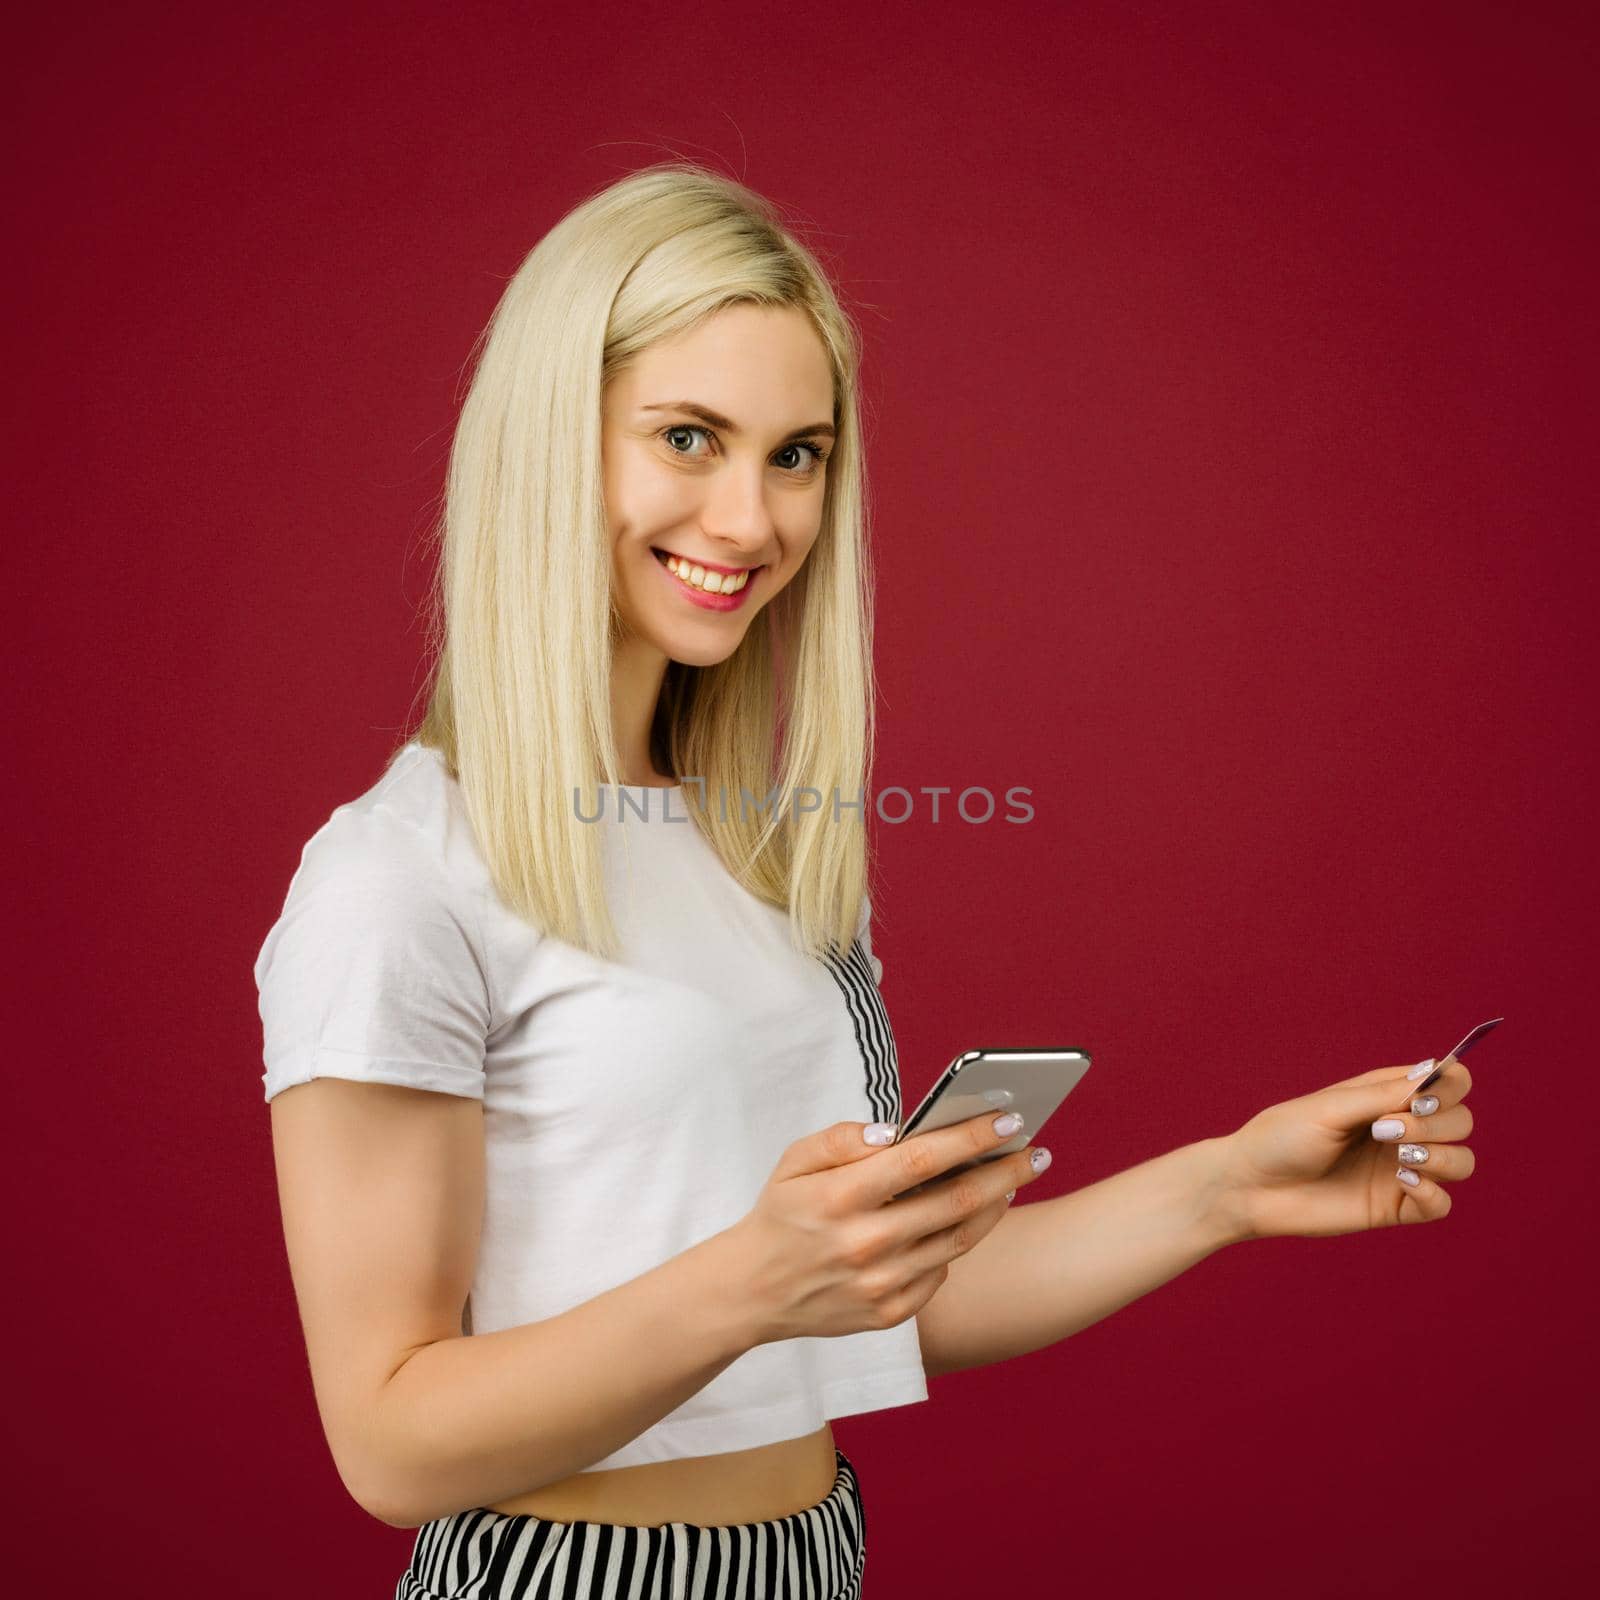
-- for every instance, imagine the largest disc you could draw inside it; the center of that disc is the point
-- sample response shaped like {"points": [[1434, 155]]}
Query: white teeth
{"points": [[712, 582]]}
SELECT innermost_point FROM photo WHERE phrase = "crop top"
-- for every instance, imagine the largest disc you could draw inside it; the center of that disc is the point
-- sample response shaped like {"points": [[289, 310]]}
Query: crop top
{"points": [[632, 1108]]}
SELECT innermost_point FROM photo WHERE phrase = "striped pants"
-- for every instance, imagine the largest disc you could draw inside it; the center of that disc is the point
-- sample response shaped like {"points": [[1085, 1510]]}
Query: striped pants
{"points": [[815, 1554]]}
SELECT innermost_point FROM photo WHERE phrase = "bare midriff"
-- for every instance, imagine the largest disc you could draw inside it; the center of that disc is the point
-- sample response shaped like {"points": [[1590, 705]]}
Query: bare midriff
{"points": [[758, 1485]]}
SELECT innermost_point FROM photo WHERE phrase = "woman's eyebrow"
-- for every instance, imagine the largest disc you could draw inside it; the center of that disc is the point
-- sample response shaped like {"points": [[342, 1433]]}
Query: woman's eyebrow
{"points": [[716, 420]]}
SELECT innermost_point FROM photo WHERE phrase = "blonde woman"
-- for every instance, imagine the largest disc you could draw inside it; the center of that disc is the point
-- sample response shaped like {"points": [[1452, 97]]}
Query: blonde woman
{"points": [[580, 1078]]}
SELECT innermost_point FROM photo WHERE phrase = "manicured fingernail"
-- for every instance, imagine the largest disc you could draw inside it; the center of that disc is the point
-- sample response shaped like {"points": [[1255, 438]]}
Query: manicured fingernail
{"points": [[1008, 1124], [1040, 1159], [878, 1133], [1011, 1194], [1407, 1176], [1388, 1128], [1424, 1105], [1422, 1068], [1415, 1154]]}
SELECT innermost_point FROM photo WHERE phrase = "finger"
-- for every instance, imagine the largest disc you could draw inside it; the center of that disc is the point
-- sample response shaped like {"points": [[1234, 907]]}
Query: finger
{"points": [[1451, 1080], [1377, 1075], [1348, 1105], [1452, 1086], [1383, 1074], [916, 1294], [951, 1200], [1396, 1127], [925, 1156], [833, 1146], [1443, 1163], [1429, 1105], [1426, 1202], [1378, 1097], [944, 1245]]}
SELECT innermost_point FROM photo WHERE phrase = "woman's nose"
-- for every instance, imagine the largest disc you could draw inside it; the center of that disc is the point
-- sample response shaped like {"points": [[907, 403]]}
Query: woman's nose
{"points": [[737, 515]]}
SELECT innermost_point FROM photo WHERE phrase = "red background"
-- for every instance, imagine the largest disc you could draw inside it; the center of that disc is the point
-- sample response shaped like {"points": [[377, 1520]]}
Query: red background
{"points": [[1228, 371]]}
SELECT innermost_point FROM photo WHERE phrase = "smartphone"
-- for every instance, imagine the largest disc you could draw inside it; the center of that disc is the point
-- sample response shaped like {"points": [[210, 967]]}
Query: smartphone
{"points": [[1032, 1082]]}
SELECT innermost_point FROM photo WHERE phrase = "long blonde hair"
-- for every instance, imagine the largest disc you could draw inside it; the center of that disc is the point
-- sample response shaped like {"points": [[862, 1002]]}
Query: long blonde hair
{"points": [[521, 616]]}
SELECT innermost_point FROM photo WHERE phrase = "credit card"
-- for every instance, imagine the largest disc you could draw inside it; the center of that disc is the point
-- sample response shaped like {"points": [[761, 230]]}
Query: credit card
{"points": [[1459, 1051], [1473, 1037]]}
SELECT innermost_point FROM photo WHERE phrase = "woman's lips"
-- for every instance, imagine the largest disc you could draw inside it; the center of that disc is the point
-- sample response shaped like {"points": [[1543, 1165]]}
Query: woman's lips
{"points": [[710, 566], [699, 597]]}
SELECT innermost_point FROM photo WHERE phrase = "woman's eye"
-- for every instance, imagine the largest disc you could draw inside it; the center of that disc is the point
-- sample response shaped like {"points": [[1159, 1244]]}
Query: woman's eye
{"points": [[668, 433], [804, 469], [818, 455]]}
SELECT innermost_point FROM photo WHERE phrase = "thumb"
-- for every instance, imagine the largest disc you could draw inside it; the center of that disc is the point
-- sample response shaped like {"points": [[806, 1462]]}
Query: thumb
{"points": [[833, 1146], [1355, 1103]]}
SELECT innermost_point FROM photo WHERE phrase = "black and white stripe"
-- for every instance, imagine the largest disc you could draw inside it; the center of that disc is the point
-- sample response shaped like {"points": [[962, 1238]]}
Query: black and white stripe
{"points": [[874, 1037], [815, 1554]]}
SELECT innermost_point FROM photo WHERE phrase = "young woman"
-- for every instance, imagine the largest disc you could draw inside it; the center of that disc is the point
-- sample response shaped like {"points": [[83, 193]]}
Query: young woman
{"points": [[579, 1073]]}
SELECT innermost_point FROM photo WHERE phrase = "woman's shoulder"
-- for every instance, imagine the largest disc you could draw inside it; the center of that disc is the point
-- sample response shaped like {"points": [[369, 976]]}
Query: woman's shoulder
{"points": [[410, 826]]}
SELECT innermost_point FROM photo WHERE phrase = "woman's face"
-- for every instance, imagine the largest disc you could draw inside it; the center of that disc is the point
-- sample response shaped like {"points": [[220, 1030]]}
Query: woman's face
{"points": [[713, 446]]}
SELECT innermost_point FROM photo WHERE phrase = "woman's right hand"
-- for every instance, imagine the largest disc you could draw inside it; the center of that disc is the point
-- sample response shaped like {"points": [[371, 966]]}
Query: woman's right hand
{"points": [[824, 1251]]}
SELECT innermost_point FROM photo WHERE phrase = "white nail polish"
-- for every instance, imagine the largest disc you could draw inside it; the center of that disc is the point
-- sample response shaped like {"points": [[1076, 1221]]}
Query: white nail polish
{"points": [[1407, 1176], [1422, 1068], [1424, 1105], [1388, 1128]]}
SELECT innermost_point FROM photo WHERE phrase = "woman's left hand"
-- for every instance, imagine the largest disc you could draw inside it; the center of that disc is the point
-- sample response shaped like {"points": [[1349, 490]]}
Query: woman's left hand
{"points": [[1332, 1162]]}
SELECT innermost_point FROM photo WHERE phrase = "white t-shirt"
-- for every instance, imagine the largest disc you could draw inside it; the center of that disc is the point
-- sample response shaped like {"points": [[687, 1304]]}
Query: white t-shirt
{"points": [[632, 1108]]}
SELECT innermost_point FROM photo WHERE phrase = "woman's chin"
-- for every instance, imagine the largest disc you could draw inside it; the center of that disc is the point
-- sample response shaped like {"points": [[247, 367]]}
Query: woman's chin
{"points": [[704, 652], [690, 646]]}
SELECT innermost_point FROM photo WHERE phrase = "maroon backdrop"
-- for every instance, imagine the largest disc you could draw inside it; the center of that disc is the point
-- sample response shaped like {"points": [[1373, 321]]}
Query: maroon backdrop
{"points": [[1227, 370]]}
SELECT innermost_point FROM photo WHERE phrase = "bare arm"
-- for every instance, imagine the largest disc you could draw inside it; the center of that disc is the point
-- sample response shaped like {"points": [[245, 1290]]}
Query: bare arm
{"points": [[382, 1192], [1052, 1268]]}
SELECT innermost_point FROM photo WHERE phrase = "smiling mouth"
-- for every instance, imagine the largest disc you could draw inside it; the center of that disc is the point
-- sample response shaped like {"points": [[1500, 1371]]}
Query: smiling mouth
{"points": [[709, 580]]}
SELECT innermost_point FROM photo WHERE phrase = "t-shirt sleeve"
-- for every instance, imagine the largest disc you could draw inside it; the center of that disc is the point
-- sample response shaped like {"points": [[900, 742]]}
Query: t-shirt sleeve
{"points": [[374, 970], [864, 937]]}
